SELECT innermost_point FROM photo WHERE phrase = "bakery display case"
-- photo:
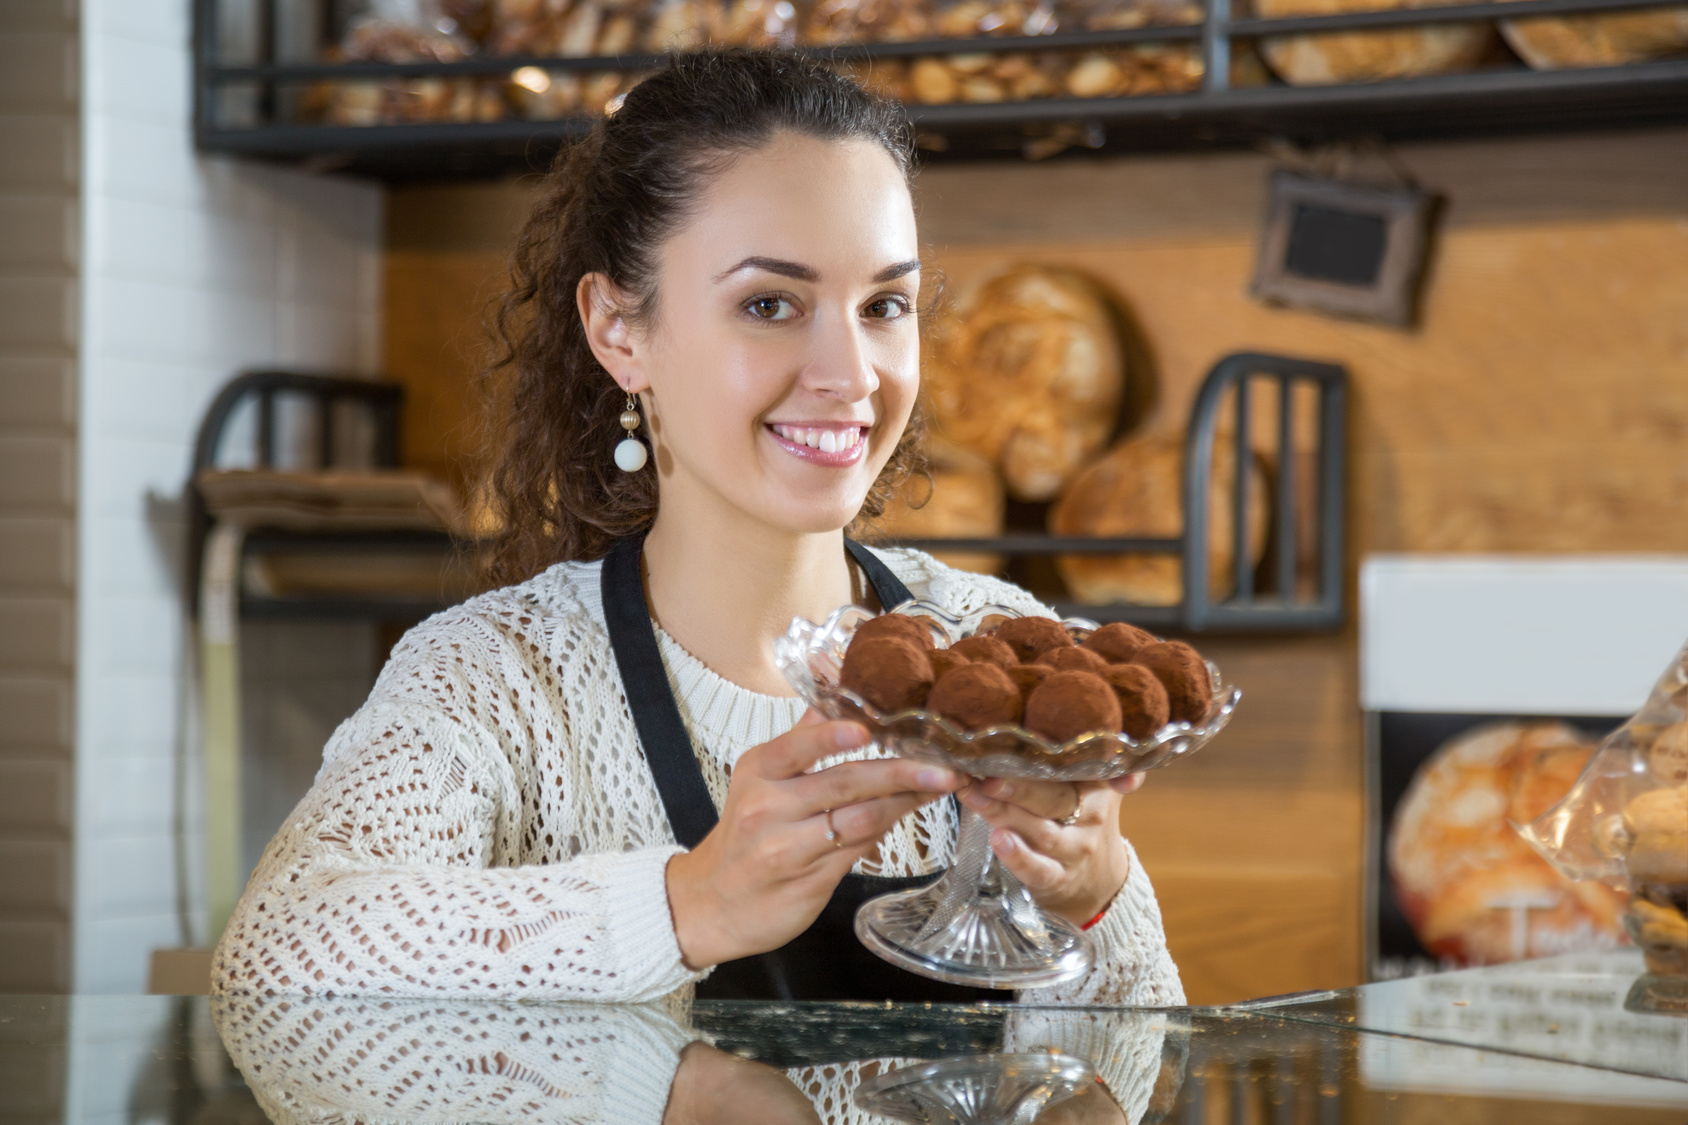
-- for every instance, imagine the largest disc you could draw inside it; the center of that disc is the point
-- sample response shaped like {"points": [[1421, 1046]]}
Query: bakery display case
{"points": [[420, 89]]}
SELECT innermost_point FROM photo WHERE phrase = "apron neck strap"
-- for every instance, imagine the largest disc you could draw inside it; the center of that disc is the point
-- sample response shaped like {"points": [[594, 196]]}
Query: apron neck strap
{"points": [[650, 697]]}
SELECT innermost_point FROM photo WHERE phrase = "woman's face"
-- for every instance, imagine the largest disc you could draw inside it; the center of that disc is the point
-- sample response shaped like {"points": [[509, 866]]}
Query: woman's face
{"points": [[783, 359]]}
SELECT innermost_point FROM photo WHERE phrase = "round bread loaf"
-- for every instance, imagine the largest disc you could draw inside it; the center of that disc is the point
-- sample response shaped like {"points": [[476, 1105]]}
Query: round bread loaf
{"points": [[1029, 374], [1029, 637], [1552, 42], [1137, 490], [910, 629], [1143, 705], [888, 672], [1183, 673], [976, 696], [1027, 677], [945, 660], [1117, 642], [1368, 56], [1067, 658], [1068, 704], [992, 649], [963, 500]]}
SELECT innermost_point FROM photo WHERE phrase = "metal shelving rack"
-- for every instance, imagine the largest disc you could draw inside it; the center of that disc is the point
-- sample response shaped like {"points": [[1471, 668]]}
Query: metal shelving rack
{"points": [[1500, 99]]}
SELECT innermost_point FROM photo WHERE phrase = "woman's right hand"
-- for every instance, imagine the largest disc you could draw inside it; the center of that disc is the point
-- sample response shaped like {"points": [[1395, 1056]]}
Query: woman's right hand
{"points": [[764, 873]]}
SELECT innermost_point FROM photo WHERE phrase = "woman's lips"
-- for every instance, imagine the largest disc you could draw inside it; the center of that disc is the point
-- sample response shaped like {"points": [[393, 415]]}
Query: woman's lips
{"points": [[832, 445]]}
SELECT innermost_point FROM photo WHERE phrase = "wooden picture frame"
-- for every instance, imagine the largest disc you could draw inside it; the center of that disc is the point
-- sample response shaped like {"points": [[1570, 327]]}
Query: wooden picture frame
{"points": [[1344, 249]]}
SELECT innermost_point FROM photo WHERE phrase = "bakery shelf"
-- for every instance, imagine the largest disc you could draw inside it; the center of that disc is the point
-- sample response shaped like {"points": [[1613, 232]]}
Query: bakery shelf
{"points": [[1306, 593], [261, 391], [1498, 99]]}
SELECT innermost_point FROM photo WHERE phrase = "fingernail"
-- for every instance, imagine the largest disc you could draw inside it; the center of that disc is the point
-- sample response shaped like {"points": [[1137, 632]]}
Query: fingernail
{"points": [[1004, 840], [1000, 788], [935, 779], [973, 799], [849, 736]]}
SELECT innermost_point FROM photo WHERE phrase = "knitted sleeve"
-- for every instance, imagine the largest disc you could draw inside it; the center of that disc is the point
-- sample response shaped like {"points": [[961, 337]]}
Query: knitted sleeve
{"points": [[397, 872]]}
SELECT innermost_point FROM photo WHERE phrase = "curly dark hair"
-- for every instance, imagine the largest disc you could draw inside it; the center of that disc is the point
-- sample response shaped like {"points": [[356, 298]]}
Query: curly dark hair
{"points": [[605, 207]]}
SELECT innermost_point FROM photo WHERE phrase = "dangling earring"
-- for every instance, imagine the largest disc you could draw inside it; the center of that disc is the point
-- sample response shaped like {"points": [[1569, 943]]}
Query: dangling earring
{"points": [[630, 452]]}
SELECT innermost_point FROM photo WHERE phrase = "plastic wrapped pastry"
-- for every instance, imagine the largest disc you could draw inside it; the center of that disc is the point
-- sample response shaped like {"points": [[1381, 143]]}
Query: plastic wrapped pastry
{"points": [[1368, 56]]}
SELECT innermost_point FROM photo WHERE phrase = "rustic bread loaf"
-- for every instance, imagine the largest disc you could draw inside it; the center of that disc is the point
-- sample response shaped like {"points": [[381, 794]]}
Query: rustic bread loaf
{"points": [[1137, 490], [1368, 56]]}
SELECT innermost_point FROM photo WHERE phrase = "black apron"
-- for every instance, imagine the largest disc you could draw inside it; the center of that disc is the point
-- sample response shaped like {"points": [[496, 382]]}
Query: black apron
{"points": [[824, 962]]}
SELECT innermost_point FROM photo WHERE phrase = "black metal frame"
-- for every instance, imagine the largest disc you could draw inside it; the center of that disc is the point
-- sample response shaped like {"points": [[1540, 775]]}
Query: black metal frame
{"points": [[384, 400], [1247, 610], [1486, 101]]}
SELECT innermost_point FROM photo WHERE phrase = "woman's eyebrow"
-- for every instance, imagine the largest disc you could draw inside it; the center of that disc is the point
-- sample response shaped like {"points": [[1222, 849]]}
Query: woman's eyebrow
{"points": [[801, 272], [796, 270]]}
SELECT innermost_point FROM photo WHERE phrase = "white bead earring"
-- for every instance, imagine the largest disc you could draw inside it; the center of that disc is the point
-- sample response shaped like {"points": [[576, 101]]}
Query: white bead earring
{"points": [[630, 452]]}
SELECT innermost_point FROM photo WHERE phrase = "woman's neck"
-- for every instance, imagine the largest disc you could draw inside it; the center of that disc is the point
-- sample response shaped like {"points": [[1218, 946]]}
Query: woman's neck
{"points": [[724, 586]]}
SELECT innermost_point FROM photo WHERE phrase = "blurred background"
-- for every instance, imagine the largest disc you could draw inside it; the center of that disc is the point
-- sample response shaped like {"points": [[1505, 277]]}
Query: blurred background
{"points": [[1431, 518]]}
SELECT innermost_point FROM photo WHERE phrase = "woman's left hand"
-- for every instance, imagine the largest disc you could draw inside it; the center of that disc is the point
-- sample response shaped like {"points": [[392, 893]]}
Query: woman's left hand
{"points": [[1061, 839]]}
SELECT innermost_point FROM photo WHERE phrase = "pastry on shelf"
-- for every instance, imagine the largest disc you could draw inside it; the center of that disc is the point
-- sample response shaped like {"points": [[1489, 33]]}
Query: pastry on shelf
{"points": [[1608, 39], [1328, 58], [962, 500], [1473, 890], [1136, 491], [866, 21], [1126, 15], [1029, 375]]}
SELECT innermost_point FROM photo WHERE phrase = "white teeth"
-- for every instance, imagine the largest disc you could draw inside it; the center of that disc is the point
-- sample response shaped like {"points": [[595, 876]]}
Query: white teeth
{"points": [[827, 441]]}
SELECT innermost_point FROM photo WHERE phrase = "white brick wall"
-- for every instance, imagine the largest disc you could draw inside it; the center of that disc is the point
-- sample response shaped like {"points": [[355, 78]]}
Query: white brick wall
{"points": [[193, 269]]}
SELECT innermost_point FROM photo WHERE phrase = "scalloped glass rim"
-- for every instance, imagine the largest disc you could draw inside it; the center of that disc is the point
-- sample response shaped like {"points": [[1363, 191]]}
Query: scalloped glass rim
{"points": [[811, 655]]}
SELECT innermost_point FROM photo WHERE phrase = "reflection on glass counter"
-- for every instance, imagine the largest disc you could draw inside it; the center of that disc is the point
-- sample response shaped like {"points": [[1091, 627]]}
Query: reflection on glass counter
{"points": [[1556, 1040]]}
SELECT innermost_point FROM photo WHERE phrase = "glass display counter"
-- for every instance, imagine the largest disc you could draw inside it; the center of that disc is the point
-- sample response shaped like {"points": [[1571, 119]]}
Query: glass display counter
{"points": [[1558, 1040]]}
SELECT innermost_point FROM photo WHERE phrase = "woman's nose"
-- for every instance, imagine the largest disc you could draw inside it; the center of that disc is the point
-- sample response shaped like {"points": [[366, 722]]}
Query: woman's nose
{"points": [[841, 366]]}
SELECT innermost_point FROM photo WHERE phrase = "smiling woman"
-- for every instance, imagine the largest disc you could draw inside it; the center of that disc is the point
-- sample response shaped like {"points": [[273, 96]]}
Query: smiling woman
{"points": [[594, 783]]}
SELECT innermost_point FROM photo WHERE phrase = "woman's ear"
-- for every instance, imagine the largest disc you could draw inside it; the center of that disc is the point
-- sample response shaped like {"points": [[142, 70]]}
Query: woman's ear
{"points": [[601, 303]]}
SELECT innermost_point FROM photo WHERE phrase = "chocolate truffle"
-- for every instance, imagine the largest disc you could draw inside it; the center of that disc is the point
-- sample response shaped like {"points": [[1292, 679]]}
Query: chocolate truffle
{"points": [[1072, 660], [945, 660], [888, 672], [1026, 677], [1029, 636], [1118, 642], [1069, 704], [1142, 700], [895, 625], [1183, 672], [976, 696], [987, 649]]}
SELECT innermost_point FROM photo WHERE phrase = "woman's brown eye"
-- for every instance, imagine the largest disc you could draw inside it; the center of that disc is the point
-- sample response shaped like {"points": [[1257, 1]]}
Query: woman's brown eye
{"points": [[766, 307], [884, 309]]}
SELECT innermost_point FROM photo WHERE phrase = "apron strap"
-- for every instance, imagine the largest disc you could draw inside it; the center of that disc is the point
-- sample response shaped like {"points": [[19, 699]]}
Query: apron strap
{"points": [[644, 679]]}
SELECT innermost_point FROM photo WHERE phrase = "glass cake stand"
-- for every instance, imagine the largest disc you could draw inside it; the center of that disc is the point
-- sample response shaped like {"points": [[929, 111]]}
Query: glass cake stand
{"points": [[978, 925], [1011, 1089]]}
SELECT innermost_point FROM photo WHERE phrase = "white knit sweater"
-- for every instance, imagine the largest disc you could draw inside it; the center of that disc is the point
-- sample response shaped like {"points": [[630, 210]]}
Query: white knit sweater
{"points": [[486, 825]]}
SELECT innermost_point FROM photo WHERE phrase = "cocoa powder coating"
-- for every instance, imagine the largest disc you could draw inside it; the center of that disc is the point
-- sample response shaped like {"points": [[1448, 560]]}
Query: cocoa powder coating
{"points": [[1143, 705], [889, 672], [1183, 672], [989, 649], [1030, 636], [1069, 704], [1072, 660], [1026, 677], [976, 696], [945, 660], [895, 625], [1118, 642]]}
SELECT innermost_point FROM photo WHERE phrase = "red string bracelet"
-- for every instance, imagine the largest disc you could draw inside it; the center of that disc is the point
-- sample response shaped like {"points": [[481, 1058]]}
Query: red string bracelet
{"points": [[1096, 919]]}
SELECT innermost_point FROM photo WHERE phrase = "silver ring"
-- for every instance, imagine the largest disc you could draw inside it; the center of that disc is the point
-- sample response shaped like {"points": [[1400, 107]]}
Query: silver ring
{"points": [[831, 832], [1071, 818]]}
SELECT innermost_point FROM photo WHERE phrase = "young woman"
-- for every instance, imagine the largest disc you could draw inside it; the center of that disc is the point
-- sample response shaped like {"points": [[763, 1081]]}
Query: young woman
{"points": [[594, 784]]}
